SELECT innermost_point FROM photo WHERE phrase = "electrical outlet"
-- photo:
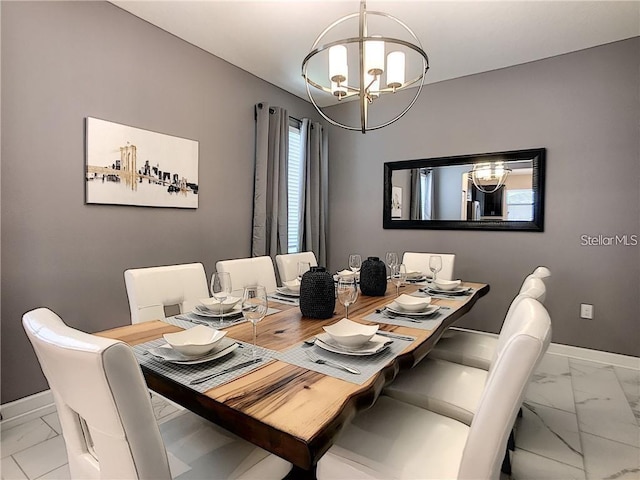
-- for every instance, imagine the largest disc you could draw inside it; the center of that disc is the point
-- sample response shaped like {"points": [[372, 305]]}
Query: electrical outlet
{"points": [[586, 311]]}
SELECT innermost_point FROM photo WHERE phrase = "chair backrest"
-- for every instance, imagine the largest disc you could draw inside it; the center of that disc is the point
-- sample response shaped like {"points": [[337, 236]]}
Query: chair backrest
{"points": [[419, 262], [288, 264], [540, 272], [152, 289], [531, 288], [504, 392], [250, 271], [102, 400]]}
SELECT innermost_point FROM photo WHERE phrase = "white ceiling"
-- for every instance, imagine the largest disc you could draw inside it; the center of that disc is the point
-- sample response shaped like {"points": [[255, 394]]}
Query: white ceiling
{"points": [[271, 38]]}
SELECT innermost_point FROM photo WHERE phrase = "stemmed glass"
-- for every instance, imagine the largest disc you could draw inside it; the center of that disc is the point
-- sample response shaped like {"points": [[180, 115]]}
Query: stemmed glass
{"points": [[435, 265], [391, 260], [303, 267], [254, 309], [347, 293], [398, 276], [355, 262], [220, 288]]}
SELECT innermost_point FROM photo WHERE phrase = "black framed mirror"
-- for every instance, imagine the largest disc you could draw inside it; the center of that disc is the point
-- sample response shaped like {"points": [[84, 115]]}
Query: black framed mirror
{"points": [[490, 191]]}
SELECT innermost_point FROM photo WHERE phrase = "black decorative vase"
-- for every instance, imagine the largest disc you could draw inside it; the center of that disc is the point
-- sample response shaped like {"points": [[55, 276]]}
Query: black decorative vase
{"points": [[373, 277], [317, 294]]}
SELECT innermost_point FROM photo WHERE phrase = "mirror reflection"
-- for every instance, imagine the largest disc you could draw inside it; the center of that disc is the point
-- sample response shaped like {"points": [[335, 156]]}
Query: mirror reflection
{"points": [[495, 191]]}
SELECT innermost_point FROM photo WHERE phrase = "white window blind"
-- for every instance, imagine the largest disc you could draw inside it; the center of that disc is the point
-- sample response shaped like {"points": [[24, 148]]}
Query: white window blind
{"points": [[294, 186], [520, 204]]}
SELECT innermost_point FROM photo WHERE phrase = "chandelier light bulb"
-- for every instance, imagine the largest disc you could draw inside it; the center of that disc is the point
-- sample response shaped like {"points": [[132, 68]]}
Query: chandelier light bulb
{"points": [[338, 67], [374, 56], [395, 69]]}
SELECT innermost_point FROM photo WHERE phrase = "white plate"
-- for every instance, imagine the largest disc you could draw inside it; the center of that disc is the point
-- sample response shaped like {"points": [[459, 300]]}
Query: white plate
{"points": [[377, 344], [205, 312], [287, 293], [395, 308], [168, 354], [455, 291]]}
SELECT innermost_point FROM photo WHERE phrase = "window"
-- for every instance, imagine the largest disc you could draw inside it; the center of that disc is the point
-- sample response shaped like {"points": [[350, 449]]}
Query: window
{"points": [[294, 185], [520, 204]]}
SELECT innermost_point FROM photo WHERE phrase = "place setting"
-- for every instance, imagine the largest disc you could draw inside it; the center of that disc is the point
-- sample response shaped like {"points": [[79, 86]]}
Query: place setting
{"points": [[289, 293], [447, 289], [411, 311], [347, 350], [201, 357]]}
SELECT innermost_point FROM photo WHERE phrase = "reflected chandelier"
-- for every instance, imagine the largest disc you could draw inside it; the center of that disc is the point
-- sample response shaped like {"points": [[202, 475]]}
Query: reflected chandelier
{"points": [[488, 177], [373, 78]]}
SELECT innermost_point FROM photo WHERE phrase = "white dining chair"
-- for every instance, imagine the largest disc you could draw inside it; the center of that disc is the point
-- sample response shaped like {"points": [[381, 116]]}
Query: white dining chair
{"points": [[107, 419], [453, 389], [476, 349], [150, 290], [250, 271], [288, 264], [394, 439], [419, 262]]}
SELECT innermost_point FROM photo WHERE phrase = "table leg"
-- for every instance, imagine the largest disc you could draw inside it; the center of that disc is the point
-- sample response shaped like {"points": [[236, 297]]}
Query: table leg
{"points": [[297, 473]]}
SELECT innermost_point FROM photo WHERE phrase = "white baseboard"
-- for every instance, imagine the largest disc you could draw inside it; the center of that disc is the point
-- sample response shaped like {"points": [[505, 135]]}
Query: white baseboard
{"points": [[597, 356], [39, 404], [26, 408]]}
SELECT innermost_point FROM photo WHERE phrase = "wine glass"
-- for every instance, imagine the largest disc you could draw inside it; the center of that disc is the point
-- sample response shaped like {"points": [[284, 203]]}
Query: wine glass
{"points": [[435, 265], [398, 276], [303, 267], [391, 260], [347, 293], [355, 262], [220, 288], [254, 309]]}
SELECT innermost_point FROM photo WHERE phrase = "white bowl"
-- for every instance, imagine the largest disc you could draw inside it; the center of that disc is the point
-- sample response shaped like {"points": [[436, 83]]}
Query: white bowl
{"points": [[413, 304], [345, 273], [214, 305], [414, 274], [292, 285], [195, 341], [447, 284], [351, 334]]}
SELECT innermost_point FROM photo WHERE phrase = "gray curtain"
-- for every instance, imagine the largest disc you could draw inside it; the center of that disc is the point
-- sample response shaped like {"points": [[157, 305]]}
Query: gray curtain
{"points": [[427, 194], [421, 205], [270, 188], [313, 219], [415, 205]]}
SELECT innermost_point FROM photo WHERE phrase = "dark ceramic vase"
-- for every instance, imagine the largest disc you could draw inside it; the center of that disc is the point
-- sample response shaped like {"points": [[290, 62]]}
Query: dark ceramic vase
{"points": [[317, 294], [373, 277]]}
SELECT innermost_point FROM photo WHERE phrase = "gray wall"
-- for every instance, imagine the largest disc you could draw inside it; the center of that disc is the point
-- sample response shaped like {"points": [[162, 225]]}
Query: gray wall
{"points": [[583, 107], [62, 62]]}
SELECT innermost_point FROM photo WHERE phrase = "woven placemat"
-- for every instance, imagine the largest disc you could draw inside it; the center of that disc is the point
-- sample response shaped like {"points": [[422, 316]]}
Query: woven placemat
{"points": [[368, 365], [284, 299], [425, 291], [184, 374], [421, 323]]}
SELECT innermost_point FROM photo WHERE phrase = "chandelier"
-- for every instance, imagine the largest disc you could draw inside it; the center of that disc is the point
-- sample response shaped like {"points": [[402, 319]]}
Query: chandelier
{"points": [[488, 177], [326, 67]]}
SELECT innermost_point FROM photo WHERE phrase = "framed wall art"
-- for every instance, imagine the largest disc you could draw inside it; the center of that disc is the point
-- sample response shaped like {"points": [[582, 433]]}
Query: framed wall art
{"points": [[131, 166], [396, 202]]}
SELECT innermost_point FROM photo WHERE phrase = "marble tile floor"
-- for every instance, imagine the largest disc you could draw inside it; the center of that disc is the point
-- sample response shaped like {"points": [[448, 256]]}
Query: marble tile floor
{"points": [[581, 420]]}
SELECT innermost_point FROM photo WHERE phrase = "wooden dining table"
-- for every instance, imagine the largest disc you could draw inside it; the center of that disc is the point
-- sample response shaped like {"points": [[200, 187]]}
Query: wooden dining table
{"points": [[288, 410]]}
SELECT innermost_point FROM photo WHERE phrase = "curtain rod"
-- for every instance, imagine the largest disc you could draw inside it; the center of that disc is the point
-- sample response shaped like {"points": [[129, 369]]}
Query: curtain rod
{"points": [[272, 110]]}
